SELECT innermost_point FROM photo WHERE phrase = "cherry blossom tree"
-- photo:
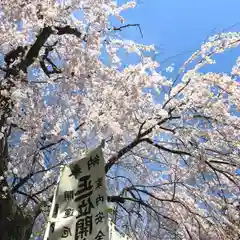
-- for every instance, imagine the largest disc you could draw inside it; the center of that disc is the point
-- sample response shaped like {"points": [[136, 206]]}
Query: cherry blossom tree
{"points": [[171, 167]]}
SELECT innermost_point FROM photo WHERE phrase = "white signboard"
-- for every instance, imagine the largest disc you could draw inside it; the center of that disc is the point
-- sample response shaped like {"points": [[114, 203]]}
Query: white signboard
{"points": [[79, 210]]}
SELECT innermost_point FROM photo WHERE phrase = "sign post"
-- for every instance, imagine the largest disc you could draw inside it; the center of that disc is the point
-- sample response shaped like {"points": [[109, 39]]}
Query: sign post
{"points": [[79, 210]]}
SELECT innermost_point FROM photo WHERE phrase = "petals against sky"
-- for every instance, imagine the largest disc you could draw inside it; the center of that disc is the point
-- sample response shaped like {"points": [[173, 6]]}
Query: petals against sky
{"points": [[180, 26]]}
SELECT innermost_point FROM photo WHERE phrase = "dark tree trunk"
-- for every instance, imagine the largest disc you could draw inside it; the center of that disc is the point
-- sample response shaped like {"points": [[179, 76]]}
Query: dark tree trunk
{"points": [[14, 224]]}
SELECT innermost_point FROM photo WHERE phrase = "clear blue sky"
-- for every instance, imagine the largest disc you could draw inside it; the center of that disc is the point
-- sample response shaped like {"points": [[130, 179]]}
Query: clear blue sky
{"points": [[179, 26]]}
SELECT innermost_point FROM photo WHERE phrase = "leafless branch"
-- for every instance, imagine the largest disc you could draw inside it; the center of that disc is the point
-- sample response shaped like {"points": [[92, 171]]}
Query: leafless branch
{"points": [[112, 160], [148, 140], [128, 25]]}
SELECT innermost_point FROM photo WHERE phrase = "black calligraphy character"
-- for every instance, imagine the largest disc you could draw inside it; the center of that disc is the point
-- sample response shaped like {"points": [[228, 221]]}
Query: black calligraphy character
{"points": [[55, 211], [99, 199], [68, 212], [68, 195], [100, 235], [93, 161], [76, 170], [84, 188], [66, 232], [85, 208], [99, 182], [83, 227], [99, 218], [52, 227]]}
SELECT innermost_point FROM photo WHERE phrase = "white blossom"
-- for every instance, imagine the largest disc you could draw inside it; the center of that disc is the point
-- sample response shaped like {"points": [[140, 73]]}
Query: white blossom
{"points": [[10, 165], [15, 171], [5, 189], [169, 69]]}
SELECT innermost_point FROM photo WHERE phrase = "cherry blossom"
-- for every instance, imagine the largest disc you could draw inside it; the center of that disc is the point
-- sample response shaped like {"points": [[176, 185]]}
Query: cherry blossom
{"points": [[171, 165]]}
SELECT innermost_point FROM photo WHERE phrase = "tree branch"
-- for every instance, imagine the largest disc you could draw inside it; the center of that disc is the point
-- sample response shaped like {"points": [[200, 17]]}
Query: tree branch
{"points": [[129, 25], [44, 189], [34, 50], [27, 195], [112, 160], [148, 140], [117, 199]]}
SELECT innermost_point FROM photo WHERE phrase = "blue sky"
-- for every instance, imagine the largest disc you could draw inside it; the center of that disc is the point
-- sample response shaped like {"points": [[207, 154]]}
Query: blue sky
{"points": [[180, 26]]}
